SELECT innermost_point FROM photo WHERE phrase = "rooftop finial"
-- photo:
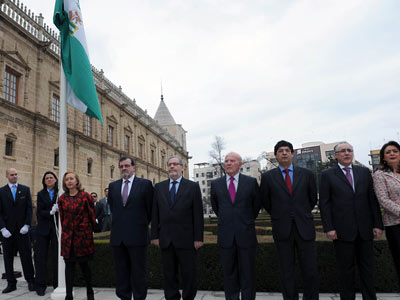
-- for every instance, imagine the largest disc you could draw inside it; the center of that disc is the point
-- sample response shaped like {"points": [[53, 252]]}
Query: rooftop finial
{"points": [[162, 97]]}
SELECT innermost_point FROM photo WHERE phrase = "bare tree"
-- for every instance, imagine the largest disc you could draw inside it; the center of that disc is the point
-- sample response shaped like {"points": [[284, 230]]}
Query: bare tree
{"points": [[217, 158]]}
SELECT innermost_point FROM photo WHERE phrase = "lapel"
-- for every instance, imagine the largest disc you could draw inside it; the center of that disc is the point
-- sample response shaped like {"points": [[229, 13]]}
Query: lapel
{"points": [[240, 188], [9, 193], [391, 174], [133, 190], [224, 188], [119, 191], [339, 173], [296, 178], [279, 178], [164, 187], [356, 176]]}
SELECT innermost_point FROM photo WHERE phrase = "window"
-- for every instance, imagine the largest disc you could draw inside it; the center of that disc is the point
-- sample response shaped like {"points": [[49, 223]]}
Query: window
{"points": [[209, 174], [10, 86], [10, 144], [202, 174], [56, 158], [197, 174], [89, 166], [204, 190], [9, 147], [112, 172], [208, 182], [162, 160], [329, 153], [141, 150], [153, 157], [127, 142], [110, 135], [87, 130], [55, 109], [248, 169], [203, 182]]}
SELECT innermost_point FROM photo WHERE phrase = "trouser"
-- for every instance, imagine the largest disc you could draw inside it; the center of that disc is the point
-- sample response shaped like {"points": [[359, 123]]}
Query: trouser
{"points": [[43, 242], [70, 275], [393, 238]]}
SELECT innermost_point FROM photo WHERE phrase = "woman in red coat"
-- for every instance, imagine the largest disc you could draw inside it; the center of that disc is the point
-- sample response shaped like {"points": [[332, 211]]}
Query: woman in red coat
{"points": [[77, 216]]}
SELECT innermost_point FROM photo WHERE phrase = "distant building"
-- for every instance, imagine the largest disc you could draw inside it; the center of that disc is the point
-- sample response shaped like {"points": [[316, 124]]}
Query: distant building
{"points": [[204, 173], [374, 154], [308, 156]]}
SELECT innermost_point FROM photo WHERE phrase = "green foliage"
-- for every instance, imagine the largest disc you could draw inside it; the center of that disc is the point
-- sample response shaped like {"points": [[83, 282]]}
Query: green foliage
{"points": [[267, 268]]}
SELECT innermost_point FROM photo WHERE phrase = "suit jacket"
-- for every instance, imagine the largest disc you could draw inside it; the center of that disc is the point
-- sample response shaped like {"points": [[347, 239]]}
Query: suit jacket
{"points": [[387, 189], [130, 223], [45, 220], [181, 223], [283, 207], [236, 220], [100, 211], [347, 211], [104, 201], [77, 217], [14, 215]]}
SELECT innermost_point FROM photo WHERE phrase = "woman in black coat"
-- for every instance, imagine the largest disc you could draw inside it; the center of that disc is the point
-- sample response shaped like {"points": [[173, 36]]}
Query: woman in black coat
{"points": [[46, 236]]}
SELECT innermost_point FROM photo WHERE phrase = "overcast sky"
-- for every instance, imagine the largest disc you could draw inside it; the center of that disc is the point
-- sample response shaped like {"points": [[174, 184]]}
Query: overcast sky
{"points": [[254, 71]]}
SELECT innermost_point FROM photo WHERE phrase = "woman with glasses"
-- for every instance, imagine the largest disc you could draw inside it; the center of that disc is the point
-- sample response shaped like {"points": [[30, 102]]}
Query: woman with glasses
{"points": [[77, 217], [387, 189]]}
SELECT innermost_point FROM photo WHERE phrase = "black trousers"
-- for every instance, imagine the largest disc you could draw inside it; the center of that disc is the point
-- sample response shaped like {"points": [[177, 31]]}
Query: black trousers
{"points": [[307, 255], [130, 267], [106, 223], [393, 238], [347, 254], [175, 260], [22, 243], [70, 276], [239, 267], [43, 244]]}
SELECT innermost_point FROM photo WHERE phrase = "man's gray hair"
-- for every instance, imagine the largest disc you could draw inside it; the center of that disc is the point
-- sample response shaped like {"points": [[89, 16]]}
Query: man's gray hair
{"points": [[174, 156], [341, 143]]}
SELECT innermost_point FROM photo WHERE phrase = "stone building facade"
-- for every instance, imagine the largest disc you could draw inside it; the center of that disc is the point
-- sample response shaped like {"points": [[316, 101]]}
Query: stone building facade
{"points": [[29, 115]]}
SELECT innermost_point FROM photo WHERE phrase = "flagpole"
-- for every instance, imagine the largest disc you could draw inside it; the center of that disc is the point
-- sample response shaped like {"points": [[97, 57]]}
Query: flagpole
{"points": [[60, 292]]}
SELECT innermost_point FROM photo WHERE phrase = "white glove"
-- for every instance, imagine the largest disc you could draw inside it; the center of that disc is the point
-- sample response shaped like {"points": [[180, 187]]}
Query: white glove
{"points": [[24, 229], [5, 233], [97, 221], [54, 209]]}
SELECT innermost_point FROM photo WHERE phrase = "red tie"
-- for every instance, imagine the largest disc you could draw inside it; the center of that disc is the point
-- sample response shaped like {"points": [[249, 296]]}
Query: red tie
{"points": [[288, 181], [232, 190]]}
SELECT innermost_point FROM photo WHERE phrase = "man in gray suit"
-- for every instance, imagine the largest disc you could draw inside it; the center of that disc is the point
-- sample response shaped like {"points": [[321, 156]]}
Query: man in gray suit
{"points": [[289, 195], [351, 218], [235, 200]]}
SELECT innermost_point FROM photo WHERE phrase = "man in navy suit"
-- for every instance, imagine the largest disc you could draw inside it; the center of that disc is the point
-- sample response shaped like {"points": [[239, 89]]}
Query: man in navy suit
{"points": [[235, 200], [289, 195], [177, 228], [15, 220], [130, 201], [351, 219]]}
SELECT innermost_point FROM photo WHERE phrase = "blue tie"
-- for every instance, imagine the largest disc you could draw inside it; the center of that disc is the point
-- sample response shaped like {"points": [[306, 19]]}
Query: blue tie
{"points": [[172, 192], [14, 191]]}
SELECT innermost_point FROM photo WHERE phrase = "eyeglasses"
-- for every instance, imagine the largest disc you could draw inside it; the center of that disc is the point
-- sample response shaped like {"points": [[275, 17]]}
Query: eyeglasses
{"points": [[173, 164], [345, 150], [124, 166]]}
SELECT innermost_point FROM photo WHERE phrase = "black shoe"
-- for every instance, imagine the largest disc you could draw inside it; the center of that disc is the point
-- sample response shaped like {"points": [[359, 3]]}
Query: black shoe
{"points": [[31, 286], [69, 298], [90, 296], [41, 291], [9, 288]]}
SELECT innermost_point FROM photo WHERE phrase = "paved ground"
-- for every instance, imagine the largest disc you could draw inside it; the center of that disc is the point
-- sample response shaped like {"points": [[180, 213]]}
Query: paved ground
{"points": [[22, 292]]}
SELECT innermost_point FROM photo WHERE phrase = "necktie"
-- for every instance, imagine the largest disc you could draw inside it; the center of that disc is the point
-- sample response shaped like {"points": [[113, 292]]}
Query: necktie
{"points": [[14, 191], [288, 181], [348, 176], [232, 190], [125, 192], [107, 208], [172, 192]]}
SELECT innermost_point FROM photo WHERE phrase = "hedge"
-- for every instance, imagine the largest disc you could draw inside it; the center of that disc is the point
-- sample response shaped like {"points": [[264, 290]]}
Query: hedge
{"points": [[267, 268]]}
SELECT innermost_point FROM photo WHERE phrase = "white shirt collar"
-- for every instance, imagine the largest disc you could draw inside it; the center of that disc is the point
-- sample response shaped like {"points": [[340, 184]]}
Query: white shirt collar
{"points": [[236, 176], [342, 167], [11, 185], [178, 180]]}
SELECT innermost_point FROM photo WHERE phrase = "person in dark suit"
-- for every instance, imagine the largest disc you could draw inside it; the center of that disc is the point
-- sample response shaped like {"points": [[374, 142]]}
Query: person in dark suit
{"points": [[235, 200], [177, 228], [106, 223], [46, 235], [130, 201], [289, 195], [351, 219], [99, 209], [15, 220]]}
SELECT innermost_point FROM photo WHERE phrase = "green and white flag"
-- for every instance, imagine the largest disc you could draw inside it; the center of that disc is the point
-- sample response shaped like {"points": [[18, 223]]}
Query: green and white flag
{"points": [[81, 90]]}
